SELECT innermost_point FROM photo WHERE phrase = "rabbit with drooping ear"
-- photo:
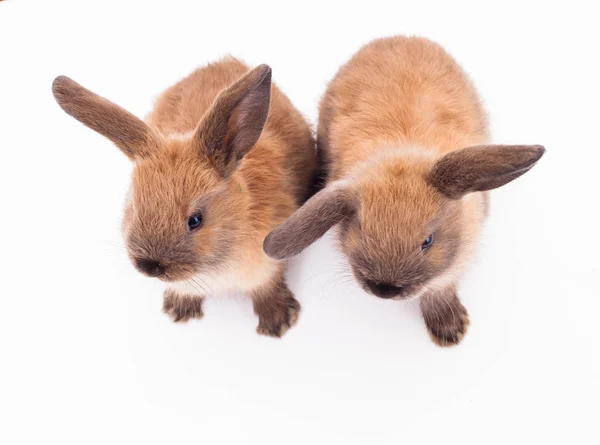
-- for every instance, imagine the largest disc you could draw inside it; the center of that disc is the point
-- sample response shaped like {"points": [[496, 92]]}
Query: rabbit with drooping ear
{"points": [[222, 159], [404, 140]]}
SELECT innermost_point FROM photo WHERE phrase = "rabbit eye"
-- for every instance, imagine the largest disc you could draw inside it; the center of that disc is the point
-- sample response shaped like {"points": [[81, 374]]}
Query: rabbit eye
{"points": [[427, 243], [194, 222]]}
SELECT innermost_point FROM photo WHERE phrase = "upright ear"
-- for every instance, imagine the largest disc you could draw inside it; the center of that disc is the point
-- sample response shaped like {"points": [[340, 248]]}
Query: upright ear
{"points": [[129, 133], [485, 167], [236, 119], [309, 222]]}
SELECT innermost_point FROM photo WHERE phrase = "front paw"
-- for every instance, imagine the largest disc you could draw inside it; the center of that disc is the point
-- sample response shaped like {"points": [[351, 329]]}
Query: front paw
{"points": [[277, 317], [445, 317], [182, 308], [276, 307]]}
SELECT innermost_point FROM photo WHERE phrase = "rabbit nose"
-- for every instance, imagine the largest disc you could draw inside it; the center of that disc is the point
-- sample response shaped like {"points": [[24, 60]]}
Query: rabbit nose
{"points": [[150, 267], [383, 290]]}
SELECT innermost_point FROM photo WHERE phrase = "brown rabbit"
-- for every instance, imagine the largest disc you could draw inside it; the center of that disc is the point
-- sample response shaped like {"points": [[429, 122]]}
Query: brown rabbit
{"points": [[408, 197], [215, 171]]}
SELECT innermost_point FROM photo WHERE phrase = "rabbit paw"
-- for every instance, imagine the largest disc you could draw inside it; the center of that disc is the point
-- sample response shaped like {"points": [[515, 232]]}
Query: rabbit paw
{"points": [[277, 310], [445, 317], [182, 308], [277, 321]]}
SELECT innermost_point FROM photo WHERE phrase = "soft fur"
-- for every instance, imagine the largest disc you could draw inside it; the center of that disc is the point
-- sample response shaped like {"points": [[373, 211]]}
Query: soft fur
{"points": [[392, 130], [226, 144]]}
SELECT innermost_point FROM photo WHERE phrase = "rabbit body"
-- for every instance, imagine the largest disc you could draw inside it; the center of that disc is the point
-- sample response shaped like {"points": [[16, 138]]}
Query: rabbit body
{"points": [[222, 159], [271, 181], [401, 103], [408, 198]]}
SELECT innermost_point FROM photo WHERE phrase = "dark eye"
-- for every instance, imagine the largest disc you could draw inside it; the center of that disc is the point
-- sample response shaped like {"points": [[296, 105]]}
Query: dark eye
{"points": [[194, 222], [427, 243]]}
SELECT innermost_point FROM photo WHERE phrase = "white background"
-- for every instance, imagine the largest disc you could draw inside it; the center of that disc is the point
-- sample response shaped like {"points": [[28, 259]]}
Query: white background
{"points": [[87, 356]]}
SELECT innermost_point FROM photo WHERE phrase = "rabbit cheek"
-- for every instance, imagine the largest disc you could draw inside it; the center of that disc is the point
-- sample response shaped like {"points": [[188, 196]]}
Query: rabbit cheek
{"points": [[349, 234], [211, 252]]}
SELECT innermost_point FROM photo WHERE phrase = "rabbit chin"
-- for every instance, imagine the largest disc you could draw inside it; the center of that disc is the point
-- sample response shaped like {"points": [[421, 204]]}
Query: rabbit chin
{"points": [[412, 296], [404, 296], [435, 284], [228, 281], [441, 282]]}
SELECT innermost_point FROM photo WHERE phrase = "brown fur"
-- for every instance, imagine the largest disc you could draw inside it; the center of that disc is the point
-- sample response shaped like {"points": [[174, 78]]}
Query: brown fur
{"points": [[445, 317], [393, 125], [182, 308], [330, 205], [208, 148], [130, 134], [276, 307], [476, 169]]}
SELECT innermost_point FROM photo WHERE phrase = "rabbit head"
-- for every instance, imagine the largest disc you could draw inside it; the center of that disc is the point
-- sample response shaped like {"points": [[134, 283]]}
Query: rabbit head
{"points": [[186, 206], [403, 224]]}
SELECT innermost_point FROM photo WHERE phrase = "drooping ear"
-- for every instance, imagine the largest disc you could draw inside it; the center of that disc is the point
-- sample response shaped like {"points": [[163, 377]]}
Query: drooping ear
{"points": [[484, 167], [126, 131], [236, 119], [309, 222]]}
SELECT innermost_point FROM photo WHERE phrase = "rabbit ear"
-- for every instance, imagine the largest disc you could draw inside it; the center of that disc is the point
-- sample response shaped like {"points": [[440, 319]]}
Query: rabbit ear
{"points": [[309, 222], [485, 167], [236, 119], [129, 133]]}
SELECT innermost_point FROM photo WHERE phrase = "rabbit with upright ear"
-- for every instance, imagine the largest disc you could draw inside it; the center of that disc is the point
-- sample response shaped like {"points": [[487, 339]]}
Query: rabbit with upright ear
{"points": [[222, 159], [404, 139]]}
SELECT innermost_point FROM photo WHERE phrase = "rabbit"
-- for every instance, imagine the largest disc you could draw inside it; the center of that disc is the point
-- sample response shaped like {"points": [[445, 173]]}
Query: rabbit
{"points": [[404, 140], [223, 158]]}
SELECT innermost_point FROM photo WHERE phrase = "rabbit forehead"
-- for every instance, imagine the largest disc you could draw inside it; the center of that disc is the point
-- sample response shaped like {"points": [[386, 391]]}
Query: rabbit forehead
{"points": [[175, 177], [398, 203]]}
